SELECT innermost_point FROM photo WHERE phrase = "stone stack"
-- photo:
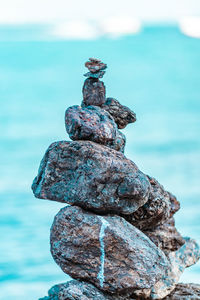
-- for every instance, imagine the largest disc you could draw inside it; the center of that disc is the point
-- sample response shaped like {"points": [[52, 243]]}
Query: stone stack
{"points": [[116, 237]]}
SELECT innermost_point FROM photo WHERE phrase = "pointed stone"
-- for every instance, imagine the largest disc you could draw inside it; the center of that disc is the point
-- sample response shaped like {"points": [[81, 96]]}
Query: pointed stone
{"points": [[121, 114]]}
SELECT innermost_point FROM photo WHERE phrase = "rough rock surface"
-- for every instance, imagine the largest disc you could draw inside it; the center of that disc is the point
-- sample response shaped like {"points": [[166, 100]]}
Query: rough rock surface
{"points": [[160, 207], [185, 291], [94, 124], [96, 68], [106, 251], [166, 236], [76, 290], [97, 75], [124, 245], [91, 176], [95, 65], [184, 257], [94, 92], [121, 114]]}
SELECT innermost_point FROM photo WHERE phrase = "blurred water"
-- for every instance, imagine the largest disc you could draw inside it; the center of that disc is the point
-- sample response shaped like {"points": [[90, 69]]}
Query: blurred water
{"points": [[156, 73]]}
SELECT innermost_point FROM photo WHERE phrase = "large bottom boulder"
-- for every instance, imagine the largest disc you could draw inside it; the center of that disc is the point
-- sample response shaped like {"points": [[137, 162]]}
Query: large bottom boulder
{"points": [[106, 251], [76, 290]]}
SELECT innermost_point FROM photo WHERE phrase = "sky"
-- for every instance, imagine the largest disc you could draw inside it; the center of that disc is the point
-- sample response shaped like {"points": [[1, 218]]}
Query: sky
{"points": [[48, 11]]}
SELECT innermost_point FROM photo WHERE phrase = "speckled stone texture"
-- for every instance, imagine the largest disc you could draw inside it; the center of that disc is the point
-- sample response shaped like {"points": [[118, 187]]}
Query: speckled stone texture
{"points": [[96, 68], [160, 207], [118, 239], [166, 236], [94, 92], [184, 257], [130, 259], [94, 124], [185, 291], [75, 290], [121, 114], [91, 176]]}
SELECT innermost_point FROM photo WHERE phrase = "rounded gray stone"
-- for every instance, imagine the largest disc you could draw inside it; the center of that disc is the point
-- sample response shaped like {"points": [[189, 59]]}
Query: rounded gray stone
{"points": [[94, 124]]}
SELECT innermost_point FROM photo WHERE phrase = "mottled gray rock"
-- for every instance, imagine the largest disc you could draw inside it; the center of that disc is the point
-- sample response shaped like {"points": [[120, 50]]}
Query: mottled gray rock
{"points": [[77, 290], [94, 92], [185, 291], [160, 207], [184, 257], [106, 251], [91, 176], [166, 236], [94, 124], [121, 114]]}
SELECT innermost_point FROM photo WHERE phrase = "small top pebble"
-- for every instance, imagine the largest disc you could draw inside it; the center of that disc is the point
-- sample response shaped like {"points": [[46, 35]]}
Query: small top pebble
{"points": [[96, 68]]}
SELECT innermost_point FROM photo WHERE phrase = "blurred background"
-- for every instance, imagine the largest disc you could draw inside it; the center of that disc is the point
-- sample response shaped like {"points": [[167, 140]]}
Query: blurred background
{"points": [[152, 49]]}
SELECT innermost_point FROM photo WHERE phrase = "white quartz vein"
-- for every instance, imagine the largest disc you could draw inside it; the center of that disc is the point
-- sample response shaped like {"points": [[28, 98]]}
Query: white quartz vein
{"points": [[100, 276]]}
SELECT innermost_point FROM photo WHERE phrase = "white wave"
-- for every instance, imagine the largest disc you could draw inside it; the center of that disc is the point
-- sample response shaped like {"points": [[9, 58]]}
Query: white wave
{"points": [[190, 26], [75, 30], [118, 26], [89, 30]]}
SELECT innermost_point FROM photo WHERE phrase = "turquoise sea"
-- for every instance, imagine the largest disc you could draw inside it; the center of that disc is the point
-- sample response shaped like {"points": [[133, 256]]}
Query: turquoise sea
{"points": [[156, 73]]}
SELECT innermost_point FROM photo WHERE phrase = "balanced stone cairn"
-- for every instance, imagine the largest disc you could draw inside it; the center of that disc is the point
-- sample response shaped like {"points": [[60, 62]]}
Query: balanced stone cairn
{"points": [[116, 237]]}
